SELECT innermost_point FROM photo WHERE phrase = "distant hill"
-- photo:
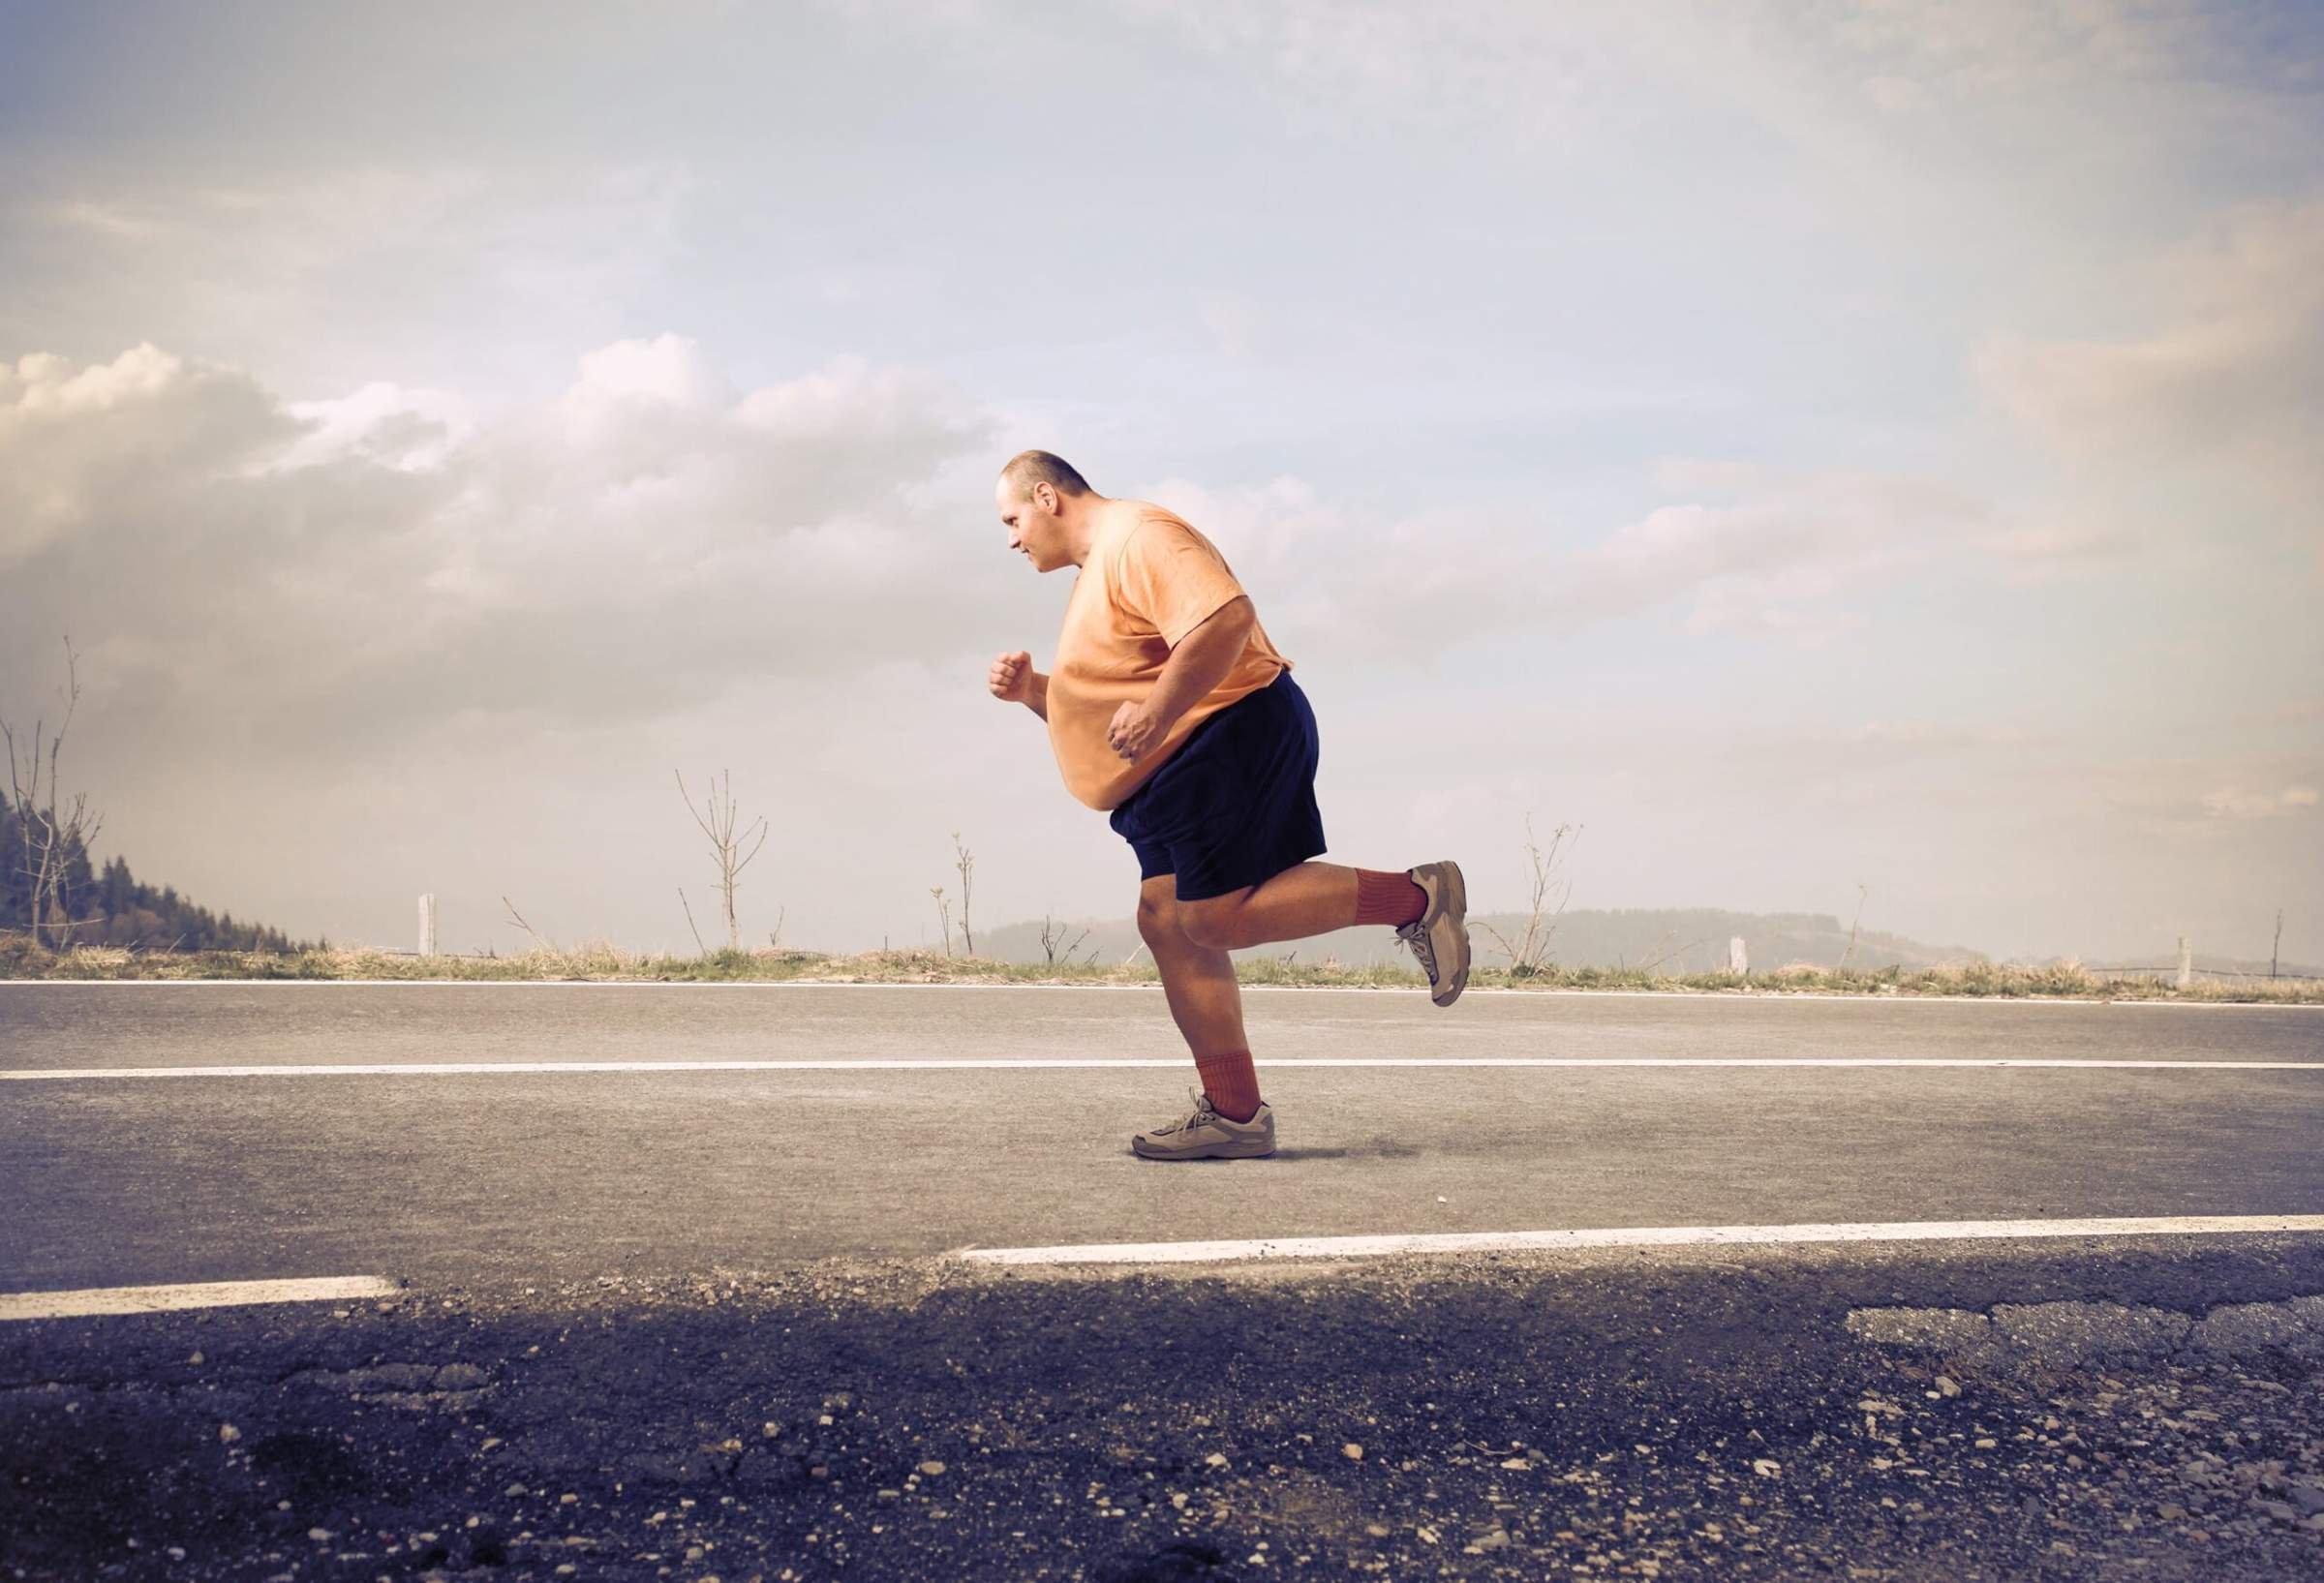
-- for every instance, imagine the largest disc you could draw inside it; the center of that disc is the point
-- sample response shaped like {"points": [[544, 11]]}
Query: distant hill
{"points": [[1672, 940], [113, 907]]}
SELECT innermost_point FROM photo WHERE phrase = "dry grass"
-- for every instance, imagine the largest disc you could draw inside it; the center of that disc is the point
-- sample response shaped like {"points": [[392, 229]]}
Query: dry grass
{"points": [[19, 959]]}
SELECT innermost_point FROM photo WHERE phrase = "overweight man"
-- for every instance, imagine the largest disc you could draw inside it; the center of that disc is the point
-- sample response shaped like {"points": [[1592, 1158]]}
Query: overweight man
{"points": [[1171, 709]]}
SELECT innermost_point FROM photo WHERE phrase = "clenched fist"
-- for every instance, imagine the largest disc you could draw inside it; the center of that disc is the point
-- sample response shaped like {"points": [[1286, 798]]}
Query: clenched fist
{"points": [[1134, 730], [1012, 678]]}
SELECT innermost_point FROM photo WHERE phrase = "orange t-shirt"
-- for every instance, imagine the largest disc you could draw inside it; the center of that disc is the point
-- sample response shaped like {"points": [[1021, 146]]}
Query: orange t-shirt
{"points": [[1151, 579]]}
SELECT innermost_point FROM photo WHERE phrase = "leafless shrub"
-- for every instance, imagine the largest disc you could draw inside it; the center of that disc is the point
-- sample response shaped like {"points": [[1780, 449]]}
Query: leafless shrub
{"points": [[538, 938], [1531, 952], [1053, 941], [944, 915], [965, 860], [1678, 951], [719, 825]]}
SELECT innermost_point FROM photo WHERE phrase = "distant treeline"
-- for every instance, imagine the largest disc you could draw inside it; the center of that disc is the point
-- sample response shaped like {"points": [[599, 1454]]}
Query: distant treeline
{"points": [[113, 907]]}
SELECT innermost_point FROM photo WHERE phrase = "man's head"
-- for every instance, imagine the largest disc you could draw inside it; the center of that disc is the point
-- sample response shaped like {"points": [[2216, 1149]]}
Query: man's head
{"points": [[1043, 500]]}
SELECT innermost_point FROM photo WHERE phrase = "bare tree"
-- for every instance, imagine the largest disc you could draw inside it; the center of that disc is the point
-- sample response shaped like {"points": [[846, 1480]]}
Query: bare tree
{"points": [[965, 860], [719, 825], [1530, 954], [690, 920], [775, 935], [50, 837], [944, 915], [2275, 950], [1052, 940]]}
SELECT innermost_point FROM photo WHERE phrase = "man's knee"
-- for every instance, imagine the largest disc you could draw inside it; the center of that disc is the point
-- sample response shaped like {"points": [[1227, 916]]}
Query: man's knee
{"points": [[1157, 921], [1210, 924]]}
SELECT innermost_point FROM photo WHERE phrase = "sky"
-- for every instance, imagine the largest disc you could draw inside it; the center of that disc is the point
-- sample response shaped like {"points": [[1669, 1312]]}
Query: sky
{"points": [[1834, 454]]}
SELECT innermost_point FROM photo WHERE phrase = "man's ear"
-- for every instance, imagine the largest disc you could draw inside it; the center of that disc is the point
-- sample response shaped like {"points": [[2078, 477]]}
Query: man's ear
{"points": [[1045, 496]]}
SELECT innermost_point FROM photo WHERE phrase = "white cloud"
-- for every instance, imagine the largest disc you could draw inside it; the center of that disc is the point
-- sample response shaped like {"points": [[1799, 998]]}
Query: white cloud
{"points": [[339, 573], [134, 433], [2229, 370], [1282, 529], [2198, 426], [1789, 556], [2048, 550], [670, 370], [409, 429], [2240, 803], [328, 278], [1778, 560]]}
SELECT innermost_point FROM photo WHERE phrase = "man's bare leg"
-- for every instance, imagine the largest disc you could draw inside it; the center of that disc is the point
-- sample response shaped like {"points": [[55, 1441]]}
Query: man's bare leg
{"points": [[1306, 899], [1198, 981], [1316, 897], [1206, 1003]]}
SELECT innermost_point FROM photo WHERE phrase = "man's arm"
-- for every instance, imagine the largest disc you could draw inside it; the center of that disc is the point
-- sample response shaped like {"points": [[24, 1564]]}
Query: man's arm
{"points": [[1013, 681], [1202, 660]]}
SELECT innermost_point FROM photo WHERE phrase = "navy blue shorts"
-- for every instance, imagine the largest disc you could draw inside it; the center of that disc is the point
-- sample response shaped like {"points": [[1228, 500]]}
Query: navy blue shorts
{"points": [[1235, 804]]}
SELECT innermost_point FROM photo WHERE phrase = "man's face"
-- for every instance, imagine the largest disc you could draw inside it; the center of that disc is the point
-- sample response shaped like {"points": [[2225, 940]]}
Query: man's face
{"points": [[1035, 530]]}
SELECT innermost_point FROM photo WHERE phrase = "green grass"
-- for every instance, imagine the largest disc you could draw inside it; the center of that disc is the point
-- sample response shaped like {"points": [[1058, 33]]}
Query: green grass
{"points": [[19, 959]]}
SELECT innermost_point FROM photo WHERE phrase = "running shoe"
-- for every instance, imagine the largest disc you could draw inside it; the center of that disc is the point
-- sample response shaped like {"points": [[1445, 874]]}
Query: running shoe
{"points": [[1206, 1135], [1440, 936]]}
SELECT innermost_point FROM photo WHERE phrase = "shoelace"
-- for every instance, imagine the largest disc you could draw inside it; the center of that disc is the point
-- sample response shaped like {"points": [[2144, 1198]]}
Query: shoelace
{"points": [[1418, 941], [1202, 1111]]}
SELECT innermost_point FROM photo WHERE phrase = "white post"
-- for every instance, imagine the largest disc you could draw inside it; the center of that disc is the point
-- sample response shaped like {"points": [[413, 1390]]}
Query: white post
{"points": [[2186, 963], [427, 924], [1738, 959]]}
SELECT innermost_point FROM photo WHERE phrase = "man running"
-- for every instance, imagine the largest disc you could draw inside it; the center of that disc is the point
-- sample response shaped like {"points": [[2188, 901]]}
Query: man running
{"points": [[1170, 707]]}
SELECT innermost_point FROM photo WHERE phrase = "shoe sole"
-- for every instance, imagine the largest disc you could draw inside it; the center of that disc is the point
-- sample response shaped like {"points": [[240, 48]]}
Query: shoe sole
{"points": [[1210, 1151], [1454, 894]]}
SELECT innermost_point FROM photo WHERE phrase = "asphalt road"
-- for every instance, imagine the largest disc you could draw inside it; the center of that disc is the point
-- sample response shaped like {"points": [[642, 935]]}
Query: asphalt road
{"points": [[672, 1323], [509, 1175], [63, 1025]]}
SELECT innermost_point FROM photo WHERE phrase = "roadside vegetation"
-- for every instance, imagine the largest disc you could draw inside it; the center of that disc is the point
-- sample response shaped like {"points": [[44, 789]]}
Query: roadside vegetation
{"points": [[21, 959]]}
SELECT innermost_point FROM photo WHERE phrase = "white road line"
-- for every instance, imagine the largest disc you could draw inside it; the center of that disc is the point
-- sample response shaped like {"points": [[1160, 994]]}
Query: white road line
{"points": [[437, 1069], [1751, 997], [1637, 1237], [155, 1300]]}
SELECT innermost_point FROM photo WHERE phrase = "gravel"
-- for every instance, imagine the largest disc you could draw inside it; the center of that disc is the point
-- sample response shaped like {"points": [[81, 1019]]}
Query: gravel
{"points": [[1995, 1412]]}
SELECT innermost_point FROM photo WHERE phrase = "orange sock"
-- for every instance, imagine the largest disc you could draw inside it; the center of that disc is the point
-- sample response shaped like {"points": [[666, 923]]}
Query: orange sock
{"points": [[1232, 1084], [1388, 899]]}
